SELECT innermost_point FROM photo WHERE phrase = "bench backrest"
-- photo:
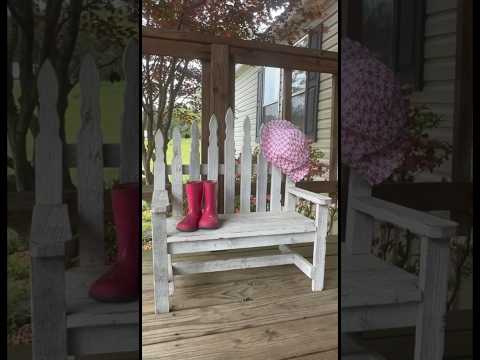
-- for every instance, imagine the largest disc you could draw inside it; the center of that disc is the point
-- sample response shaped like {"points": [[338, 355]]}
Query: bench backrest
{"points": [[359, 227], [89, 155], [259, 170]]}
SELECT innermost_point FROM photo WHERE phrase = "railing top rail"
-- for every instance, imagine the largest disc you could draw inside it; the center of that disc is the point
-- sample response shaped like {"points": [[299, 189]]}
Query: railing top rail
{"points": [[252, 52]]}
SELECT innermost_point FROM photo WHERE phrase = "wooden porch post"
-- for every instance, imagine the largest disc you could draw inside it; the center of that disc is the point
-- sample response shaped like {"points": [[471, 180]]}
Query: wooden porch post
{"points": [[334, 131], [205, 109], [220, 98], [287, 94], [220, 89]]}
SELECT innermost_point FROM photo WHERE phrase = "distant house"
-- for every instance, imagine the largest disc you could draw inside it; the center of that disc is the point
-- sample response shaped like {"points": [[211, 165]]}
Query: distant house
{"points": [[258, 89]]}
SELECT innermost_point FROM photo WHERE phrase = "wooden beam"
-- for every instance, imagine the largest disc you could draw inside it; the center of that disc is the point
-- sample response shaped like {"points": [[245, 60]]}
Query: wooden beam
{"points": [[162, 47], [287, 94], [333, 163], [205, 109], [199, 45], [220, 89], [425, 196], [220, 97], [463, 116], [198, 267], [283, 60], [321, 187], [205, 38]]}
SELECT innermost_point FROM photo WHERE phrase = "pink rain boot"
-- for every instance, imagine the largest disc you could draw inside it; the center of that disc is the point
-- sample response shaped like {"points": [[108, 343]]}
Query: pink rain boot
{"points": [[121, 283], [209, 219], [194, 191]]}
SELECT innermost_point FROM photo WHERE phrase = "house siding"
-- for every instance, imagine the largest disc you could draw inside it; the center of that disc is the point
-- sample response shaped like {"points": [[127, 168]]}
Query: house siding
{"points": [[438, 92], [330, 43], [245, 103], [246, 88]]}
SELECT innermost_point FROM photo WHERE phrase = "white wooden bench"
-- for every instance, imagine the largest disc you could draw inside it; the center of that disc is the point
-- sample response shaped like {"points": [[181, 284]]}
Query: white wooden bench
{"points": [[65, 320], [378, 295], [279, 226]]}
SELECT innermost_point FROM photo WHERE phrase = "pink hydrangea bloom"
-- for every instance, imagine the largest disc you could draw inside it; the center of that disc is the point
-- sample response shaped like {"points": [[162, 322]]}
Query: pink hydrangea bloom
{"points": [[286, 147], [373, 115]]}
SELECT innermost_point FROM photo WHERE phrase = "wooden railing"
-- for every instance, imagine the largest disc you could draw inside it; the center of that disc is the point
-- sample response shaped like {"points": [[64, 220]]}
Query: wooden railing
{"points": [[219, 55], [51, 225]]}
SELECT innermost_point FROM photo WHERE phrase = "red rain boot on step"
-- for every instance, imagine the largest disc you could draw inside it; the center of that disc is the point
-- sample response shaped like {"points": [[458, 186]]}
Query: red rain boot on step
{"points": [[209, 219], [194, 191], [121, 283]]}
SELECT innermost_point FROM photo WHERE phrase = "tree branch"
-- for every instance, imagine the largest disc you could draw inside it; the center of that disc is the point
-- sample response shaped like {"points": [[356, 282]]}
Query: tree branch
{"points": [[15, 14]]}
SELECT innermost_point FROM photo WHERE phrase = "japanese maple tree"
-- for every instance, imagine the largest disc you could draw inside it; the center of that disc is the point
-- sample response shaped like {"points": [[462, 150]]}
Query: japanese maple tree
{"points": [[172, 82]]}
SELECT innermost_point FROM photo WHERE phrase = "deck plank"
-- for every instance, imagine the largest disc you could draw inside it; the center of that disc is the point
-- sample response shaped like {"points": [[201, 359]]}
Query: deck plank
{"points": [[275, 341], [261, 313], [228, 317], [239, 291]]}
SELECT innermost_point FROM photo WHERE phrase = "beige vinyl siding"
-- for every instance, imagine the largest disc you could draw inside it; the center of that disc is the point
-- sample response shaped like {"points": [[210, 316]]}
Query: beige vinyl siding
{"points": [[329, 42], [245, 102], [439, 73], [246, 87]]}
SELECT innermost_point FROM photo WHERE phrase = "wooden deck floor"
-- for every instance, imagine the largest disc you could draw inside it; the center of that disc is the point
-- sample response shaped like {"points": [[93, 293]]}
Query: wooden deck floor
{"points": [[263, 313]]}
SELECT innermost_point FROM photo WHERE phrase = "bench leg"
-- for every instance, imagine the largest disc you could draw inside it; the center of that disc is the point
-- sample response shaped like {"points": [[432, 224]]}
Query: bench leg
{"points": [[433, 281], [160, 263], [319, 248], [171, 284]]}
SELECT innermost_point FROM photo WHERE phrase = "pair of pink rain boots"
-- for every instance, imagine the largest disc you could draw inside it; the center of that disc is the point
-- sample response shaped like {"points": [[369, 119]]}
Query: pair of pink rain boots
{"points": [[197, 217], [121, 282]]}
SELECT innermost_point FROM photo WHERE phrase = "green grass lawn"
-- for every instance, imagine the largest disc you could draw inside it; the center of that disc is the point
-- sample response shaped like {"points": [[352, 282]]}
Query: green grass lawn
{"points": [[111, 105], [186, 143]]}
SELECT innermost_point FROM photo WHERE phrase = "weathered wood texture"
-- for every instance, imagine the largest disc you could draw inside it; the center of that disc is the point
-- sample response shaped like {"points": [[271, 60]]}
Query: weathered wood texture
{"points": [[50, 228], [199, 45], [399, 344], [260, 313], [90, 168], [371, 288], [236, 231], [130, 141], [64, 319]]}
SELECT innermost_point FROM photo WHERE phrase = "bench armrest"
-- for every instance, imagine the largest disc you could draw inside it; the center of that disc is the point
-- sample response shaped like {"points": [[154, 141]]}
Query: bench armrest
{"points": [[160, 202], [418, 222], [315, 198]]}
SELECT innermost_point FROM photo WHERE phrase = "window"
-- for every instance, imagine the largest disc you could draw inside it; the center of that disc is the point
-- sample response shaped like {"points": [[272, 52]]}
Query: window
{"points": [[271, 91], [304, 110], [394, 31]]}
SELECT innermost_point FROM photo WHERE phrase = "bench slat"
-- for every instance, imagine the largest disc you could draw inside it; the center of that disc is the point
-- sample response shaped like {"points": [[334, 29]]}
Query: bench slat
{"points": [[246, 168]]}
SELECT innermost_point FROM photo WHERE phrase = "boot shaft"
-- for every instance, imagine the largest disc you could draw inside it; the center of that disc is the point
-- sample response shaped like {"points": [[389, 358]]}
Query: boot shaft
{"points": [[194, 194], [126, 216], [210, 196]]}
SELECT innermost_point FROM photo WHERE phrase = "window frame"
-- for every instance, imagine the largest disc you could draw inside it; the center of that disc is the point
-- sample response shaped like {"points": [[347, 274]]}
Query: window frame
{"points": [[412, 74]]}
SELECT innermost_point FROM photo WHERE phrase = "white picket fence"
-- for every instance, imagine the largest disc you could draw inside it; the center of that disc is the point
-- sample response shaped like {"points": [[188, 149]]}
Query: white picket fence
{"points": [[50, 223], [260, 168]]}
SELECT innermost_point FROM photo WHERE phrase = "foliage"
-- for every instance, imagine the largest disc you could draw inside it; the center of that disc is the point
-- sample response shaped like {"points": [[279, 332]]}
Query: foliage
{"points": [[183, 117], [146, 226], [61, 31], [318, 172], [241, 19], [170, 82], [291, 24], [18, 282], [425, 154]]}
